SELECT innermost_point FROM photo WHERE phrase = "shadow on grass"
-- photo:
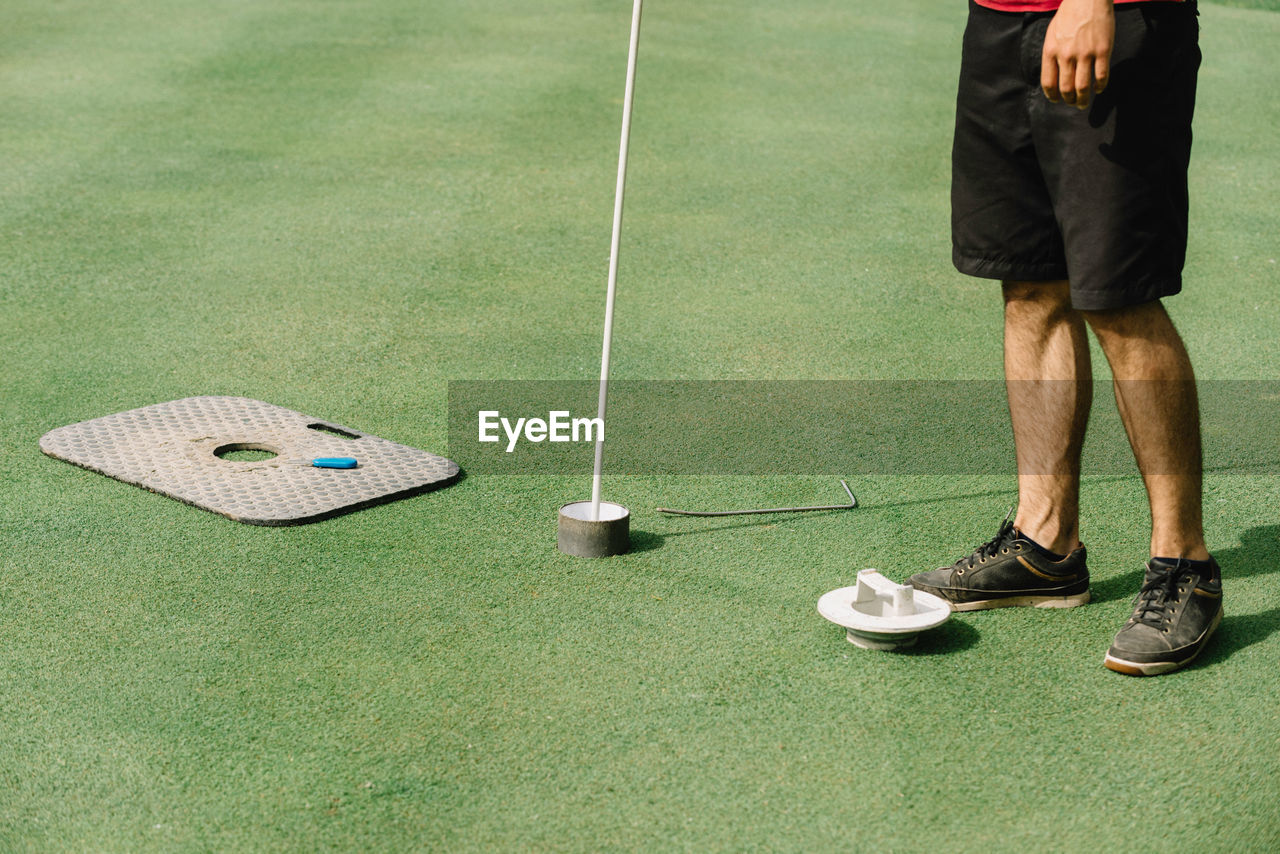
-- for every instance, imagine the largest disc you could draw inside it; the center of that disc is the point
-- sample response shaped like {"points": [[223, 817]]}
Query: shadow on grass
{"points": [[952, 636], [645, 541], [1011, 491], [1237, 632], [766, 520], [1257, 554], [1121, 587]]}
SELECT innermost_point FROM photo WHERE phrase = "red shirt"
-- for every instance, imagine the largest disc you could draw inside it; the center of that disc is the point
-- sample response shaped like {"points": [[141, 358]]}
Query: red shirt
{"points": [[1031, 5]]}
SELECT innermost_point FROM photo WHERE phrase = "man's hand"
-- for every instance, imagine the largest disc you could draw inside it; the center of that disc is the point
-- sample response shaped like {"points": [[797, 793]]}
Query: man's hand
{"points": [[1077, 51]]}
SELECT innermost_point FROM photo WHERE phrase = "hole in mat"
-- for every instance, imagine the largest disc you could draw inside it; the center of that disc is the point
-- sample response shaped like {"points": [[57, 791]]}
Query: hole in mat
{"points": [[245, 452]]}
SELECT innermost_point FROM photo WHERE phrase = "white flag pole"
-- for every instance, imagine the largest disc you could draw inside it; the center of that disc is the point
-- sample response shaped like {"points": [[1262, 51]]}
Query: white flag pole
{"points": [[613, 256]]}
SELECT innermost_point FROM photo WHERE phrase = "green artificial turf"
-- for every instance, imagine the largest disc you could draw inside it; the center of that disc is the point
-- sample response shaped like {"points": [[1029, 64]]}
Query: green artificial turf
{"points": [[1270, 5], [342, 207]]}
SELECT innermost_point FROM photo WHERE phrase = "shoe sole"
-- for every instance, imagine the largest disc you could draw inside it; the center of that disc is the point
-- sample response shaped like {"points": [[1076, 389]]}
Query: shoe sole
{"points": [[1023, 601], [1155, 668]]}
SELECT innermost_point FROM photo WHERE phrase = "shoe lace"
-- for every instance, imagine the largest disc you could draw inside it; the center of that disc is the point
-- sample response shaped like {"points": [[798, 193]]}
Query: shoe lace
{"points": [[989, 548], [1159, 594]]}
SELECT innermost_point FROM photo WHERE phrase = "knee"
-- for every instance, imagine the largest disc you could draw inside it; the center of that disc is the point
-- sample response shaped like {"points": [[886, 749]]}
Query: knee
{"points": [[1142, 336], [1047, 294], [1130, 321], [1141, 315], [1037, 302]]}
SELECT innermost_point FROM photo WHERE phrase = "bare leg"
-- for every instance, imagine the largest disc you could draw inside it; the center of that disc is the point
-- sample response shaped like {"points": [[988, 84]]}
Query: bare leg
{"points": [[1050, 386], [1156, 394]]}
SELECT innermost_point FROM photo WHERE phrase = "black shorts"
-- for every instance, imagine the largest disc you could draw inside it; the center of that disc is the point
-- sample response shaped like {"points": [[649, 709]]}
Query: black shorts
{"points": [[1043, 191]]}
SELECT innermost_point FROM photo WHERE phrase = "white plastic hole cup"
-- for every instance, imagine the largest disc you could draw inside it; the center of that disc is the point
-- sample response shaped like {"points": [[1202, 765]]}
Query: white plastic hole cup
{"points": [[879, 614]]}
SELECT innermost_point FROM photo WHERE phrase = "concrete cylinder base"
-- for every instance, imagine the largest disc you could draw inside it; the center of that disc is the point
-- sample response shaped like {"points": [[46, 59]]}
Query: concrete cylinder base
{"points": [[581, 537]]}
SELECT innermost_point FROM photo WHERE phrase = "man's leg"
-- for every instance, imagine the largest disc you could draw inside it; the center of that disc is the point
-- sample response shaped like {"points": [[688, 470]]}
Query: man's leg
{"points": [[1050, 388], [1180, 603], [1037, 560], [1156, 394]]}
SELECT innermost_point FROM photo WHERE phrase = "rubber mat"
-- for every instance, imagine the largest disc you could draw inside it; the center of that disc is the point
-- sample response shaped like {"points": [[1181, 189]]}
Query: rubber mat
{"points": [[178, 449]]}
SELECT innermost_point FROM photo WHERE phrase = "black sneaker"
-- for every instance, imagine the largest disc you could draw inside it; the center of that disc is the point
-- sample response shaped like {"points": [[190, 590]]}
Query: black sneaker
{"points": [[1176, 612], [1009, 571]]}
